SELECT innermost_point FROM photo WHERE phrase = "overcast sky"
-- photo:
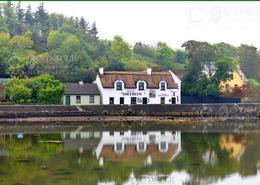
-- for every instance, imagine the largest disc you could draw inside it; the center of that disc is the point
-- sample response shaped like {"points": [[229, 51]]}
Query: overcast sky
{"points": [[170, 22]]}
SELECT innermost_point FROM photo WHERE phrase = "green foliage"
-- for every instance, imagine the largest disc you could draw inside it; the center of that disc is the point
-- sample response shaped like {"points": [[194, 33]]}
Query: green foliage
{"points": [[249, 60], [253, 84], [40, 89], [121, 49], [206, 69]]}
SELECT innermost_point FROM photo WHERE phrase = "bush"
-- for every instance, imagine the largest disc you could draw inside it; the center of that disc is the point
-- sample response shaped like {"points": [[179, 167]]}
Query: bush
{"points": [[40, 89]]}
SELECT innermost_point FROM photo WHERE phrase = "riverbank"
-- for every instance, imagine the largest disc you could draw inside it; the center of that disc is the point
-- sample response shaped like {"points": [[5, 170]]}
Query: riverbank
{"points": [[112, 113]]}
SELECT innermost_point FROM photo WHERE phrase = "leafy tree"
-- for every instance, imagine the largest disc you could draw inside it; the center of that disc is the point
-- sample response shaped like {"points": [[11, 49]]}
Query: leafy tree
{"points": [[4, 53], [47, 89], [40, 89], [249, 61], [144, 50], [165, 55], [203, 56], [225, 49], [121, 49]]}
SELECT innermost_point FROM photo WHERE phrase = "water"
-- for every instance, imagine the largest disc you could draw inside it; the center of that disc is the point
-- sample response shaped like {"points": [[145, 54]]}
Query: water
{"points": [[130, 157]]}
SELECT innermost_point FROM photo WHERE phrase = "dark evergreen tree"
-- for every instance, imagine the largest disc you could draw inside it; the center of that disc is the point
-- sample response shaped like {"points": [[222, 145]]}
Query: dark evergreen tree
{"points": [[20, 16], [11, 19], [93, 32], [83, 24], [40, 29], [29, 16]]}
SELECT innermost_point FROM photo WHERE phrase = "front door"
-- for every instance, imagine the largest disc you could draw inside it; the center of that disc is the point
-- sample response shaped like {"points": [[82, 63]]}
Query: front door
{"points": [[122, 100], [133, 100], [162, 100], [67, 101], [173, 100], [144, 100]]}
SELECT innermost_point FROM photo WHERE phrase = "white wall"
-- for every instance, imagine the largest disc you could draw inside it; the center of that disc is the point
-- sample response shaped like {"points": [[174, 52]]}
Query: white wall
{"points": [[112, 92]]}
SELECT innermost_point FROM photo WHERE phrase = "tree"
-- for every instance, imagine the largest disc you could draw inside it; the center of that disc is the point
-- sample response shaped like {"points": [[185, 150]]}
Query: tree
{"points": [[4, 53], [11, 19], [40, 89], [20, 17], [93, 32], [165, 55], [40, 29], [249, 61], [120, 49], [3, 24], [29, 19], [144, 50], [203, 56], [47, 89]]}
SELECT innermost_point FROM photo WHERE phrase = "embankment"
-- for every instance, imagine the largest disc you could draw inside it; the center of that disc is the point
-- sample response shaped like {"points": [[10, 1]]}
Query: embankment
{"points": [[184, 112]]}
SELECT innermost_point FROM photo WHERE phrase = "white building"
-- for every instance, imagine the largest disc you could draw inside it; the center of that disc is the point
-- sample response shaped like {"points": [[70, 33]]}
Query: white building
{"points": [[118, 87]]}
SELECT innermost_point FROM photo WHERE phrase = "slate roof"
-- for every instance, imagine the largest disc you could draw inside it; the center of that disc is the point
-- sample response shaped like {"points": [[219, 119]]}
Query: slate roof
{"points": [[130, 79], [84, 89]]}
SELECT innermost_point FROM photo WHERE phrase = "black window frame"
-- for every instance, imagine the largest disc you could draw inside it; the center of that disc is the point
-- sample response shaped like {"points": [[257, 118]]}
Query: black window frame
{"points": [[91, 99], [164, 87], [139, 85], [111, 99], [78, 99], [119, 87]]}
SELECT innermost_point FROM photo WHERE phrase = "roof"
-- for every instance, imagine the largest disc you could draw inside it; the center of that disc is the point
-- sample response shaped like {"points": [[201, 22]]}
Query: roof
{"points": [[131, 78], [81, 89]]}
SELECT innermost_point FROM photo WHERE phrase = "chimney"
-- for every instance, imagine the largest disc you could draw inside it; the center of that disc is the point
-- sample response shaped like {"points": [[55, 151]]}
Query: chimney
{"points": [[101, 70], [81, 83], [149, 71]]}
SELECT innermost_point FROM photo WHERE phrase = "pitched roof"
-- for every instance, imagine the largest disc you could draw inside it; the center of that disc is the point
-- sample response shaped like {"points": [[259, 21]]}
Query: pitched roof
{"points": [[81, 89], [131, 78]]}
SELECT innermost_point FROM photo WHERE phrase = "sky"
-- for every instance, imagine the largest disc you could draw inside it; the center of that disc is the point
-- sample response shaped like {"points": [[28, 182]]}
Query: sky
{"points": [[170, 22]]}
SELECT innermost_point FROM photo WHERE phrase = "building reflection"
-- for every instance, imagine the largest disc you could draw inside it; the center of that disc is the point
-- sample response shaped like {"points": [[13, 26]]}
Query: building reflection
{"points": [[234, 144], [129, 145]]}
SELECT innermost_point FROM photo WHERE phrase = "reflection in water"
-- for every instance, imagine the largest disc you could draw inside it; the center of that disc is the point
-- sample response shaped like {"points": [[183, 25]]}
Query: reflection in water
{"points": [[129, 157]]}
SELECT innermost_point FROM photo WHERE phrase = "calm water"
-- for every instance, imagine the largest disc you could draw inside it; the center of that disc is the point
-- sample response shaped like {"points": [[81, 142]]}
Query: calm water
{"points": [[129, 157]]}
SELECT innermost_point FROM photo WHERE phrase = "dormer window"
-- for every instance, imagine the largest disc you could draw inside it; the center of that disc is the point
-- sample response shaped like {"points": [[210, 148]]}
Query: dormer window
{"points": [[119, 85], [119, 148], [141, 147], [162, 86], [163, 147], [141, 86]]}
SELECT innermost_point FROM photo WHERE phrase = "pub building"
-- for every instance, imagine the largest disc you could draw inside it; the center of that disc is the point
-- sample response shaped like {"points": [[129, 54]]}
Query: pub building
{"points": [[121, 87]]}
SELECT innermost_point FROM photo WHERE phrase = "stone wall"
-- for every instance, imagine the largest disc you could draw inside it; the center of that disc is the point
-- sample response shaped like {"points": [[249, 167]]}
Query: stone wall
{"points": [[169, 111]]}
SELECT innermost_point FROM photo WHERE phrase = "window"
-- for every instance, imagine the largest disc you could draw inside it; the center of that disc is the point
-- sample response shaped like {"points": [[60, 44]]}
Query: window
{"points": [[111, 100], [91, 99], [119, 86], [122, 100], [78, 99], [141, 147], [163, 86], [163, 146], [162, 100], [141, 86], [119, 148]]}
